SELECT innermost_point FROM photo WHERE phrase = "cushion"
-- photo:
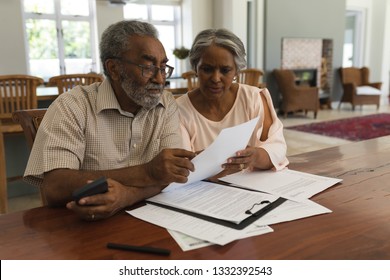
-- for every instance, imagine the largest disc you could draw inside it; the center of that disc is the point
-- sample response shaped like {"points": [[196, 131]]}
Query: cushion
{"points": [[367, 90]]}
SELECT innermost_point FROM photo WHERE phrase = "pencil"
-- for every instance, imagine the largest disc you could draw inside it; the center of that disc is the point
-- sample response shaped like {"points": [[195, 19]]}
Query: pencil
{"points": [[142, 249]]}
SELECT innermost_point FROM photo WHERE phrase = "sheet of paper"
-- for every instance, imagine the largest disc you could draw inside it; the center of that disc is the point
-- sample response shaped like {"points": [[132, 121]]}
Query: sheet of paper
{"points": [[215, 200], [290, 184], [187, 242], [194, 227], [229, 141], [292, 210]]}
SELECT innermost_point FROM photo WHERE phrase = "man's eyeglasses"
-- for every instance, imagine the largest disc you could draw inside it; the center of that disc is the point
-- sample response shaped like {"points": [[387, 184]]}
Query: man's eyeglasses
{"points": [[150, 70]]}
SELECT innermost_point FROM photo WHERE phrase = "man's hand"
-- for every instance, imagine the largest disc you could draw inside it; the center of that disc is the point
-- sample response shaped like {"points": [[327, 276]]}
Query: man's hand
{"points": [[102, 206], [171, 165]]}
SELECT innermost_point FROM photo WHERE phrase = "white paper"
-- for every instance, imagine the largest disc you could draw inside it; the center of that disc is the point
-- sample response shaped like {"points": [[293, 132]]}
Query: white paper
{"points": [[290, 184], [215, 200], [187, 242], [192, 226], [292, 210], [228, 142]]}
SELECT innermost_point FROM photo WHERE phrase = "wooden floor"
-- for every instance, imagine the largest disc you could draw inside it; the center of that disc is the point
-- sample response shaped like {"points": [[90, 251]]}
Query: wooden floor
{"points": [[297, 142]]}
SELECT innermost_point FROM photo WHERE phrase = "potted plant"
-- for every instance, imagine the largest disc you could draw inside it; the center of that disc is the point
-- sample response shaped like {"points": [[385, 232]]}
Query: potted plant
{"points": [[181, 53]]}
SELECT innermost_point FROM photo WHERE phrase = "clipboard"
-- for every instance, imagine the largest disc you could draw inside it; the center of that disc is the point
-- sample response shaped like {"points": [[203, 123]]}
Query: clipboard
{"points": [[243, 224]]}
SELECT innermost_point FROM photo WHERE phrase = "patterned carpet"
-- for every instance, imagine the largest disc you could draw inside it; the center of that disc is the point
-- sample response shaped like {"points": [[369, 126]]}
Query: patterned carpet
{"points": [[353, 129]]}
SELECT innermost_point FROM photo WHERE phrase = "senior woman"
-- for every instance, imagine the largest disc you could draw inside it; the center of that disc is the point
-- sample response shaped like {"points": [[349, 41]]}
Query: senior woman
{"points": [[217, 56]]}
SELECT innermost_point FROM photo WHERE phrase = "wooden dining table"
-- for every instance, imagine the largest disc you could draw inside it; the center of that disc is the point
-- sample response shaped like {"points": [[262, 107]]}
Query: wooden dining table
{"points": [[357, 228]]}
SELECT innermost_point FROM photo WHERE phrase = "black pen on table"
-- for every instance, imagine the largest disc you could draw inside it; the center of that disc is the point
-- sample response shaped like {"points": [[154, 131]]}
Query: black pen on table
{"points": [[143, 249]]}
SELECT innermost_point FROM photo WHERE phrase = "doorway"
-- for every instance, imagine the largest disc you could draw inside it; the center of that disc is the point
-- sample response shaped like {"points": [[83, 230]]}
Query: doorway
{"points": [[353, 38]]}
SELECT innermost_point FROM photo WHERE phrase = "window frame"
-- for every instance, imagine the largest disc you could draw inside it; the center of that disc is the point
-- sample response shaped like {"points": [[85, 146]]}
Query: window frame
{"points": [[58, 18]]}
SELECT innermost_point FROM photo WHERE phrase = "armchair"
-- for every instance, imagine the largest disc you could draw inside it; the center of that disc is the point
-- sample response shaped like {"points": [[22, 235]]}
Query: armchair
{"points": [[357, 88], [295, 98]]}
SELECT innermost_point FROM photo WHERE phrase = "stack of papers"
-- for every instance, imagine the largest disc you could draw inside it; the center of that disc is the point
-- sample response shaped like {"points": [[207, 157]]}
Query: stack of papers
{"points": [[228, 203], [199, 213], [216, 201]]}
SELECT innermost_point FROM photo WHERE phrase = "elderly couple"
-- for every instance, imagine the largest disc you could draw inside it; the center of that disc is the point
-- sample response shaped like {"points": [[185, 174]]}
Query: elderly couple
{"points": [[130, 130]]}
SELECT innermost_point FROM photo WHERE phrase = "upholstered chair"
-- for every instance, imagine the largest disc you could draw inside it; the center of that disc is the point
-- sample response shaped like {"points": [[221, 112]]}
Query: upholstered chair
{"points": [[357, 89], [295, 98]]}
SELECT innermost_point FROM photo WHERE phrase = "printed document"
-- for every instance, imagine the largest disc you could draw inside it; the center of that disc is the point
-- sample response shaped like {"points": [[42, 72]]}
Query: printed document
{"points": [[215, 200], [288, 211], [290, 184], [228, 142], [292, 210], [195, 227]]}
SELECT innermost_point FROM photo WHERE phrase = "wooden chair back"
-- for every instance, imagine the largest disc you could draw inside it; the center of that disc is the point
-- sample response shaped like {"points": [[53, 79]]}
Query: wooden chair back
{"points": [[17, 92], [192, 79], [30, 120], [250, 76], [66, 82]]}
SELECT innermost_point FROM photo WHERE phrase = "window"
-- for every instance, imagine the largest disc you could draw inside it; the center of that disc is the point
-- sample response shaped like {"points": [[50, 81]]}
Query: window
{"points": [[166, 18], [60, 37]]}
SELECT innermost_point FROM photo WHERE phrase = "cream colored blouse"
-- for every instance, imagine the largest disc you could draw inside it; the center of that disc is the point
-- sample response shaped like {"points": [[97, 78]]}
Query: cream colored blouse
{"points": [[199, 132]]}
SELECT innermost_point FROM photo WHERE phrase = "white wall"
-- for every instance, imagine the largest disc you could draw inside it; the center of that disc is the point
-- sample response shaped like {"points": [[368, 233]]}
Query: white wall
{"points": [[386, 54], [12, 46], [197, 16], [107, 14], [303, 19], [377, 39], [232, 15], [380, 50], [260, 34]]}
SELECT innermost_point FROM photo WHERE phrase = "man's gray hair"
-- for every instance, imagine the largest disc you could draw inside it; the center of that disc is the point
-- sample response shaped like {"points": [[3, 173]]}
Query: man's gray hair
{"points": [[222, 38], [115, 39]]}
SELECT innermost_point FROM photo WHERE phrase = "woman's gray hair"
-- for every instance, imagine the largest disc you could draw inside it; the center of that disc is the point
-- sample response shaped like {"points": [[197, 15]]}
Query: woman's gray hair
{"points": [[222, 38], [115, 39]]}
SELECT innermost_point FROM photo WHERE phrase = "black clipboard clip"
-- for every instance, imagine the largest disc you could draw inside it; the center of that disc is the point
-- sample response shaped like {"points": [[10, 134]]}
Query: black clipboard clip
{"points": [[243, 224], [260, 203]]}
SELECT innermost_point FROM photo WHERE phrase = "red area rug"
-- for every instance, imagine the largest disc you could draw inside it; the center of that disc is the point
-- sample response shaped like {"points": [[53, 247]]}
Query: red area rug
{"points": [[353, 129]]}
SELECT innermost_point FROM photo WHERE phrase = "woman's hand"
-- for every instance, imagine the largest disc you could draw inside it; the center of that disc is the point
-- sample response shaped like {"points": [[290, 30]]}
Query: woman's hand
{"points": [[249, 158]]}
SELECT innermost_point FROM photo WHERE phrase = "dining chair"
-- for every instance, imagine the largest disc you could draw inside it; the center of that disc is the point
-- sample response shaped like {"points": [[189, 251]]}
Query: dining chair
{"points": [[250, 76], [66, 82], [17, 92], [30, 120], [192, 79]]}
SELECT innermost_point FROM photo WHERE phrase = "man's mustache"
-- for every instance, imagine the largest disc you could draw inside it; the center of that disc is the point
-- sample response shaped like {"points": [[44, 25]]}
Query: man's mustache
{"points": [[159, 87]]}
